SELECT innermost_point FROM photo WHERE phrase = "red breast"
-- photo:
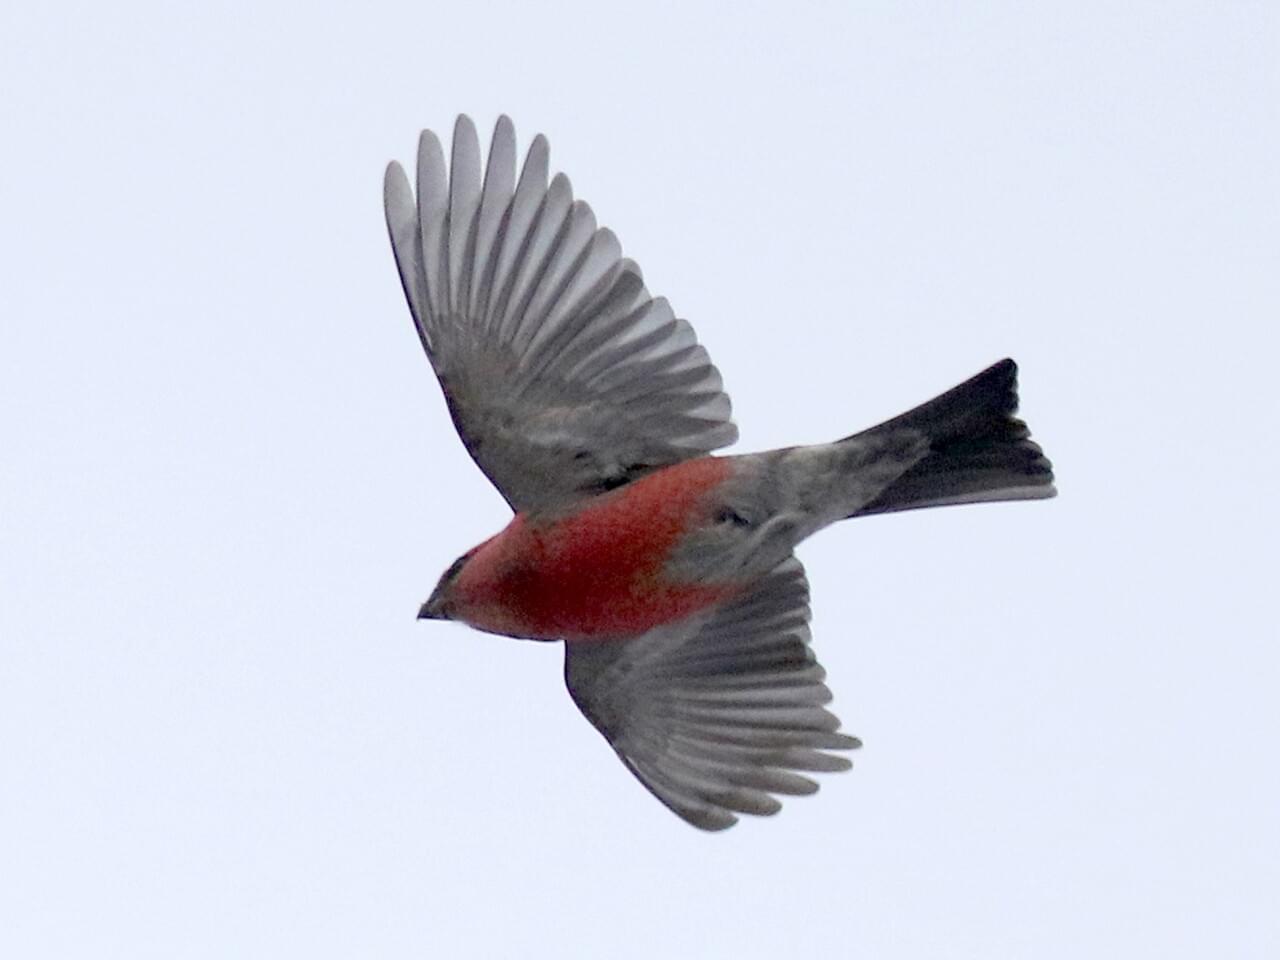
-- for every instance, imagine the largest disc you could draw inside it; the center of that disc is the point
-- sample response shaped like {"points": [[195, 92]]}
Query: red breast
{"points": [[598, 572]]}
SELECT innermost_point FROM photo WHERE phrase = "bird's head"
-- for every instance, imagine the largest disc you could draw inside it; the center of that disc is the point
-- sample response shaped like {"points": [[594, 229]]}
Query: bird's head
{"points": [[442, 603]]}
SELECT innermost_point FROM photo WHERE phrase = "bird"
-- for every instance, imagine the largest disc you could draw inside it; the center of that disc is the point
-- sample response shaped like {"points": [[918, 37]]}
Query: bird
{"points": [[667, 571]]}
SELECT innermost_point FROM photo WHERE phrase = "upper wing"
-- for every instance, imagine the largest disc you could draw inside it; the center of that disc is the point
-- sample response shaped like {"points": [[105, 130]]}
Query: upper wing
{"points": [[714, 712], [563, 376]]}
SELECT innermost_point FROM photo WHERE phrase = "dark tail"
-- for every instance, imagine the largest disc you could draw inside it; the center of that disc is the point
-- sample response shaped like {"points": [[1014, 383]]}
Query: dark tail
{"points": [[978, 451]]}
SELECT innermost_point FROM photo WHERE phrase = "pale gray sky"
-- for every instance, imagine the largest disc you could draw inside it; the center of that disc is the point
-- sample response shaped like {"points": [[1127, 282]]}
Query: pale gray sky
{"points": [[228, 480]]}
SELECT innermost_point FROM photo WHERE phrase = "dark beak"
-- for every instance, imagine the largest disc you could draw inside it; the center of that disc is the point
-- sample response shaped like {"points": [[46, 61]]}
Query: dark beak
{"points": [[433, 609]]}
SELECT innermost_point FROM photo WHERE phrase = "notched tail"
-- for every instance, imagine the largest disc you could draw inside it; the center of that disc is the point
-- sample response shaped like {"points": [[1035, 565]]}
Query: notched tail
{"points": [[978, 450]]}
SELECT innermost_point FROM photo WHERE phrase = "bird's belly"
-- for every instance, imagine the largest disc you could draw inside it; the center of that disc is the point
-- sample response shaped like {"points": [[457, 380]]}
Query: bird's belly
{"points": [[584, 605]]}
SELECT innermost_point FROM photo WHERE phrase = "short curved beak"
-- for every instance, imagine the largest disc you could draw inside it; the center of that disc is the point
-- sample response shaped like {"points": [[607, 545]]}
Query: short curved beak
{"points": [[433, 609]]}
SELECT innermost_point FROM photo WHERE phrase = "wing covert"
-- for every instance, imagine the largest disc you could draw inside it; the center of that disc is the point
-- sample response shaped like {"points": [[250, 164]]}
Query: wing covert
{"points": [[562, 374]]}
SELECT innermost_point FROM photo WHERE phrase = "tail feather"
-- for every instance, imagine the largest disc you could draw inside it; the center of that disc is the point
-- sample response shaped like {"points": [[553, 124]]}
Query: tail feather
{"points": [[978, 451]]}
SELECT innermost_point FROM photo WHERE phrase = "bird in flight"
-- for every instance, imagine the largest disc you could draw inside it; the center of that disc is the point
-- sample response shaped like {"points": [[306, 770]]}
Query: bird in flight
{"points": [[668, 573]]}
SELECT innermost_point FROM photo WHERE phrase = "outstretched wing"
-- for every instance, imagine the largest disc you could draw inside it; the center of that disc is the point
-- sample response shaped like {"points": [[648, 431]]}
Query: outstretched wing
{"points": [[563, 376], [714, 714]]}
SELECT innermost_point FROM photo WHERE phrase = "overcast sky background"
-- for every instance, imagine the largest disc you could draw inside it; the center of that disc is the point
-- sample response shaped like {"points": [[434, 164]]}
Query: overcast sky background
{"points": [[228, 480]]}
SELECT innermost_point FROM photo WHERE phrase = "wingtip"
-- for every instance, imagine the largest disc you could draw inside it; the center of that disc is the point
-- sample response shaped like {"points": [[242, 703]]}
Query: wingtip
{"points": [[710, 824], [538, 157], [431, 170], [464, 159], [392, 177], [397, 197], [429, 143], [464, 126], [560, 183]]}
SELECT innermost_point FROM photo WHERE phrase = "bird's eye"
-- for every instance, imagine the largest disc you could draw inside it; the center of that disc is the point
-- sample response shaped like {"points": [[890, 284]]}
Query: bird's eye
{"points": [[729, 515]]}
